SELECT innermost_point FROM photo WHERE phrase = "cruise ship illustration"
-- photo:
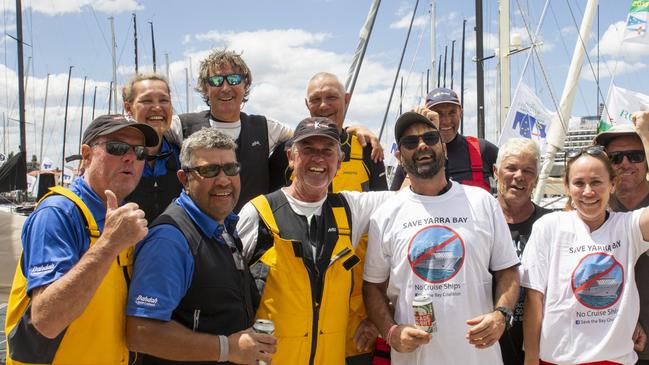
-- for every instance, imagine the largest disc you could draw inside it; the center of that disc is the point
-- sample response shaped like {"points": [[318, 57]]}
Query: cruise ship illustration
{"points": [[604, 287], [442, 260]]}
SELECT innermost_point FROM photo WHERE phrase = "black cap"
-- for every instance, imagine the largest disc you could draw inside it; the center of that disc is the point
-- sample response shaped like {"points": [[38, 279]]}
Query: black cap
{"points": [[316, 126], [406, 120], [442, 95], [111, 123]]}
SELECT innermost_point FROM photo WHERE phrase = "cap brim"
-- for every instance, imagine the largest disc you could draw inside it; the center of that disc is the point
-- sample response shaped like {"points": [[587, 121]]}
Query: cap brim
{"points": [[430, 105], [305, 136]]}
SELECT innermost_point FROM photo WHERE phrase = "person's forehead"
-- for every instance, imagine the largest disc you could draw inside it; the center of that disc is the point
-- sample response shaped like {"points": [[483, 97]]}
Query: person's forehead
{"points": [[222, 68], [318, 141], [520, 159], [326, 85], [624, 143], [148, 85]]}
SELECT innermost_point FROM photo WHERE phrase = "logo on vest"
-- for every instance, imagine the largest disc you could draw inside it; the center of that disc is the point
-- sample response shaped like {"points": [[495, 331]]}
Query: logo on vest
{"points": [[42, 269], [255, 143], [146, 301], [332, 229]]}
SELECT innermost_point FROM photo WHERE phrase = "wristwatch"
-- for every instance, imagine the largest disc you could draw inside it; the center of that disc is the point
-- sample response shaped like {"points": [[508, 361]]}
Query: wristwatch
{"points": [[508, 314]]}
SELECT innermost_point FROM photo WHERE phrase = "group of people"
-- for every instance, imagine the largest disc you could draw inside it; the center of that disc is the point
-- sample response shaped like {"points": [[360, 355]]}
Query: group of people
{"points": [[183, 230]]}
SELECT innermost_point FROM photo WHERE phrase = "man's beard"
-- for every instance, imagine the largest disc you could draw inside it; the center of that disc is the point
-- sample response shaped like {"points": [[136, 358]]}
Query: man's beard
{"points": [[423, 170]]}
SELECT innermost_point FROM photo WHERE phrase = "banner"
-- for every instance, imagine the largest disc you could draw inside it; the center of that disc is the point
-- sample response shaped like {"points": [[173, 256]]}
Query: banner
{"points": [[620, 104], [636, 22], [527, 118]]}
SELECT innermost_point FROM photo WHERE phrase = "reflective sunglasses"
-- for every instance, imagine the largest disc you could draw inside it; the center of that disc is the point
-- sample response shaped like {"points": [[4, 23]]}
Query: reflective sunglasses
{"points": [[217, 80], [634, 156], [411, 142], [590, 150], [118, 148], [209, 171]]}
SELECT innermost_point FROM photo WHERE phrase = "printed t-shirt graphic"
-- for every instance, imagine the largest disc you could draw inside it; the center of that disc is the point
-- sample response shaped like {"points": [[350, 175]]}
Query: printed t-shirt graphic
{"points": [[436, 253], [597, 281]]}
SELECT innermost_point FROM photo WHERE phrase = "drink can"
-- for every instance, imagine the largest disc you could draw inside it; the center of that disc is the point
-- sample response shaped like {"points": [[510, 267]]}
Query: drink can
{"points": [[264, 326], [424, 312]]}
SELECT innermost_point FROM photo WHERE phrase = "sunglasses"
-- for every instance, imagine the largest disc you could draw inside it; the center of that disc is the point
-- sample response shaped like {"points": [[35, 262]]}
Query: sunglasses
{"points": [[209, 171], [411, 142], [635, 156], [217, 80], [591, 151], [117, 148]]}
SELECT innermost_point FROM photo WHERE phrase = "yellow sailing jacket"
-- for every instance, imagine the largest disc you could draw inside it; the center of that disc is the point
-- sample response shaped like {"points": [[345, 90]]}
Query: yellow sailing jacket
{"points": [[96, 337], [308, 332]]}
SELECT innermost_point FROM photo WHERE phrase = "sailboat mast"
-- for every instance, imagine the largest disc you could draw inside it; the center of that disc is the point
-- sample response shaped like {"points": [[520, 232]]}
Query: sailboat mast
{"points": [[47, 87], [433, 56], [452, 61], [479, 67], [21, 89], [94, 100], [505, 76], [153, 46], [462, 74], [114, 49], [65, 125], [83, 102], [135, 41]]}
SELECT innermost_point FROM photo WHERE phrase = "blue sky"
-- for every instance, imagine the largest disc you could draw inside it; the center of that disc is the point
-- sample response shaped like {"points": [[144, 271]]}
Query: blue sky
{"points": [[284, 43]]}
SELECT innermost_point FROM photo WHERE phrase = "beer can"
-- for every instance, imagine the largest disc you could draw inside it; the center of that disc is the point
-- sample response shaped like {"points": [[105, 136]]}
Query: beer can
{"points": [[264, 326], [424, 312]]}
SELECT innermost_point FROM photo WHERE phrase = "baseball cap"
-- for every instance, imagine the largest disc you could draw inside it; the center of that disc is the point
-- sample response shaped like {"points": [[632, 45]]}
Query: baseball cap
{"points": [[406, 120], [442, 95], [111, 123], [316, 126], [618, 130]]}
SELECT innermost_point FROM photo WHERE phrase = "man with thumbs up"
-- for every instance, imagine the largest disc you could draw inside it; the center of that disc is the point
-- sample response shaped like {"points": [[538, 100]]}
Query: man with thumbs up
{"points": [[69, 291]]}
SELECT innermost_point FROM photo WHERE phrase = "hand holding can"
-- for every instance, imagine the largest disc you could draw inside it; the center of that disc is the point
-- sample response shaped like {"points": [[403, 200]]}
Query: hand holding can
{"points": [[264, 326]]}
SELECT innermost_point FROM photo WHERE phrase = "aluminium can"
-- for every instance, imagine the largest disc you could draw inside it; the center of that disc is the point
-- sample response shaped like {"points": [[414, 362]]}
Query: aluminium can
{"points": [[424, 313], [264, 326]]}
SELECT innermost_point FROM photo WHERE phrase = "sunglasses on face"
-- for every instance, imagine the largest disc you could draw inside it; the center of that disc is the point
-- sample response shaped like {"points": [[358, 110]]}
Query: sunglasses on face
{"points": [[117, 148], [591, 151], [635, 156], [217, 80], [411, 142], [209, 171]]}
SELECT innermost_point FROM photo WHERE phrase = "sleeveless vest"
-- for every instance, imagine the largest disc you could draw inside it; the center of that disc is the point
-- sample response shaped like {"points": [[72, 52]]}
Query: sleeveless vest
{"points": [[475, 157]]}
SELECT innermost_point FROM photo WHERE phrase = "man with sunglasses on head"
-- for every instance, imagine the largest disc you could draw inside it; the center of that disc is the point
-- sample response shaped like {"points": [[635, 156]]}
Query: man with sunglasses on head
{"points": [[446, 241], [192, 297], [69, 292], [224, 82], [624, 145], [301, 243], [469, 158]]}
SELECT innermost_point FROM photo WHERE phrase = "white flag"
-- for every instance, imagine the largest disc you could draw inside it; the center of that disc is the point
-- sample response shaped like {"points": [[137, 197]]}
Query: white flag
{"points": [[527, 118], [621, 103], [636, 22]]}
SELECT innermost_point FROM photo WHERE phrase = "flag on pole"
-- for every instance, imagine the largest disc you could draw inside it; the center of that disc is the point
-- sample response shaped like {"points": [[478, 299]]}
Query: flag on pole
{"points": [[527, 118], [636, 22], [620, 104]]}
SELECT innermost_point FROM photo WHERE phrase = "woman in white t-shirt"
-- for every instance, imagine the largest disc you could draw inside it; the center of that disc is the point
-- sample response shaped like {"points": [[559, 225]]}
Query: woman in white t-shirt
{"points": [[582, 304]]}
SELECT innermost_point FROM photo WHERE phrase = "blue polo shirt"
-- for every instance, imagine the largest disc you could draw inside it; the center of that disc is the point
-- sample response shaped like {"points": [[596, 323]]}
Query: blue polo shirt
{"points": [[159, 168], [164, 265], [55, 237]]}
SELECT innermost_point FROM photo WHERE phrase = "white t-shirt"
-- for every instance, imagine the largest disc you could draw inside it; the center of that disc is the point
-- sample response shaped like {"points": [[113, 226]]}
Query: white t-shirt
{"points": [[360, 205], [443, 246], [277, 132], [591, 300]]}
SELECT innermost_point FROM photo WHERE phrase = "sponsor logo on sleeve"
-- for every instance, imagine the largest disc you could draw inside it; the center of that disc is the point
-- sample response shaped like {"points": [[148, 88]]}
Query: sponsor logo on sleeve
{"points": [[146, 301]]}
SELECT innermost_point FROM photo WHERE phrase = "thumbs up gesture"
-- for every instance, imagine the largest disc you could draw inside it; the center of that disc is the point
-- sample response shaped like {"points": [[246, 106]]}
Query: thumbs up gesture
{"points": [[124, 226]]}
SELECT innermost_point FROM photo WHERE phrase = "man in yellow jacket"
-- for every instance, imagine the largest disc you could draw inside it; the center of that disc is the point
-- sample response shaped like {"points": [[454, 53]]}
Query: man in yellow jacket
{"points": [[67, 300]]}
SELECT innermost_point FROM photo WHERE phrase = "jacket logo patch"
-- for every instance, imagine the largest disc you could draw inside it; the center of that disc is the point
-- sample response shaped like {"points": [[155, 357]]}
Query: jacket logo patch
{"points": [[332, 229], [42, 269], [146, 301], [255, 143]]}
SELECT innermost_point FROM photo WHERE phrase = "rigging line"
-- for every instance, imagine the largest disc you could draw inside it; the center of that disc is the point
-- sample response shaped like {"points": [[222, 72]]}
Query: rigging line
{"points": [[583, 45], [414, 57], [126, 35], [534, 52], [101, 31]]}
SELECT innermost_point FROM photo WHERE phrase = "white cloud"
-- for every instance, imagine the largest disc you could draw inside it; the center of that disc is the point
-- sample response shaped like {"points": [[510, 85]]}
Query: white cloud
{"points": [[611, 44], [59, 7], [404, 22], [617, 67]]}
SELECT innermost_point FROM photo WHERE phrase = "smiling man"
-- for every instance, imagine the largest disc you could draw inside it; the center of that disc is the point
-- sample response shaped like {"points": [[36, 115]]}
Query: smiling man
{"points": [[191, 296], [301, 244], [67, 300]]}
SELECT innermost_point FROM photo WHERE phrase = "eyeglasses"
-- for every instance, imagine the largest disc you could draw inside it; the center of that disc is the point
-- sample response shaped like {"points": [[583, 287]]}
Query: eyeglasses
{"points": [[591, 151], [118, 148], [411, 142], [635, 156], [209, 171], [217, 80]]}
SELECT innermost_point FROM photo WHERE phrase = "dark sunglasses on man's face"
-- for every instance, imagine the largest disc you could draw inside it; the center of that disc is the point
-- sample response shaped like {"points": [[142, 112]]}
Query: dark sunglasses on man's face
{"points": [[208, 171], [118, 148], [217, 80], [411, 142], [635, 156]]}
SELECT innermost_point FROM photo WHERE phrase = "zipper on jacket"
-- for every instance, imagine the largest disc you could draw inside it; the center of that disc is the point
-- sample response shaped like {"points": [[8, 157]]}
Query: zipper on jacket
{"points": [[197, 316]]}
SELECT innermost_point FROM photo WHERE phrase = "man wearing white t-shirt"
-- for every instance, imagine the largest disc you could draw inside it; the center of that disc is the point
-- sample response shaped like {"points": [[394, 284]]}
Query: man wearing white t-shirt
{"points": [[444, 240], [301, 244]]}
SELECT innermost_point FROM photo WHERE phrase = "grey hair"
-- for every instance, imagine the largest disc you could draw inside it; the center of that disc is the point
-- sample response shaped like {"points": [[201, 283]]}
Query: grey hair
{"points": [[326, 75], [518, 147], [205, 138]]}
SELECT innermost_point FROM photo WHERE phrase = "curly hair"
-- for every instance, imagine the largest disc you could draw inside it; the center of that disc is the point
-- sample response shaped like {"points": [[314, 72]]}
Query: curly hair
{"points": [[218, 58]]}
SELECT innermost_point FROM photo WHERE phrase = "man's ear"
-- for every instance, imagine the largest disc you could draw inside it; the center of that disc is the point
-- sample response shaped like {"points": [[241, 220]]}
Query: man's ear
{"points": [[86, 154], [494, 171], [128, 109], [348, 98], [183, 178], [397, 154]]}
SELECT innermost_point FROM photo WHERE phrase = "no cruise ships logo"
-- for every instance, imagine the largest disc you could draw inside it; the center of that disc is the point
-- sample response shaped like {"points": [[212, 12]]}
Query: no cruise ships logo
{"points": [[436, 253], [597, 281]]}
